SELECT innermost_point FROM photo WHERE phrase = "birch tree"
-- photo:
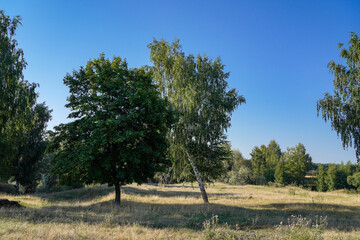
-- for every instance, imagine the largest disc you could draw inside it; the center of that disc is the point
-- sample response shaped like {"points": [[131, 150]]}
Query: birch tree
{"points": [[342, 108], [197, 89]]}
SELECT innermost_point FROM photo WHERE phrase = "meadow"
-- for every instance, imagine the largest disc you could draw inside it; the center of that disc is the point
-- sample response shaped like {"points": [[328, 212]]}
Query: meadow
{"points": [[177, 212]]}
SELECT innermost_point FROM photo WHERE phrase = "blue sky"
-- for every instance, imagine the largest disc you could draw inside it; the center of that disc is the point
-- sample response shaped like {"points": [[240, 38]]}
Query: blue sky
{"points": [[276, 52]]}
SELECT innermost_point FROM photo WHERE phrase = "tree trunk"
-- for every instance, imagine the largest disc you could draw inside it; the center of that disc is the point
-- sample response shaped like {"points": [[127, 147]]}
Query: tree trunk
{"points": [[117, 194], [198, 178], [17, 187]]}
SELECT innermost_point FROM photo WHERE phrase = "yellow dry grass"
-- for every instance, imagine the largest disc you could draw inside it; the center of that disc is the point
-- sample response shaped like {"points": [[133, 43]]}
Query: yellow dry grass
{"points": [[174, 212]]}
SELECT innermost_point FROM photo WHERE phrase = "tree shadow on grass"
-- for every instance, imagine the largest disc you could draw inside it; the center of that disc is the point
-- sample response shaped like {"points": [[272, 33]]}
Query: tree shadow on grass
{"points": [[169, 194], [80, 194], [94, 193], [158, 215]]}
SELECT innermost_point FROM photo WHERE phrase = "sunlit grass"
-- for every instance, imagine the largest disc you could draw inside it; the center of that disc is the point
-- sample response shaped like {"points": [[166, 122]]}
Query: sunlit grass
{"points": [[174, 212]]}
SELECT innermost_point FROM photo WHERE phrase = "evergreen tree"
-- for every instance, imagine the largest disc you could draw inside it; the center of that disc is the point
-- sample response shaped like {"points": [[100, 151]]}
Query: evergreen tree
{"points": [[273, 155], [320, 179], [258, 164], [280, 172], [331, 177], [297, 163]]}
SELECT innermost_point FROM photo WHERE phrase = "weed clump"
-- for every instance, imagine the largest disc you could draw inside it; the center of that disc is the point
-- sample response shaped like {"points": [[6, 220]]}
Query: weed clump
{"points": [[301, 228]]}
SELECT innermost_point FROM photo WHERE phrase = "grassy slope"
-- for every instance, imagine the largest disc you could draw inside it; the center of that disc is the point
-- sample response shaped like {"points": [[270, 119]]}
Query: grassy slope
{"points": [[174, 212]]}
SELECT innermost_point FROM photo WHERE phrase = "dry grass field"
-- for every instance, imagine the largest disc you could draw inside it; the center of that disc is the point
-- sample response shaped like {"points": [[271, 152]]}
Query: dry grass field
{"points": [[177, 212]]}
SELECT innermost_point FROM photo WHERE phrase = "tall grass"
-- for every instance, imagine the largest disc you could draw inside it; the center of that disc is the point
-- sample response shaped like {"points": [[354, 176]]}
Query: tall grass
{"points": [[176, 212]]}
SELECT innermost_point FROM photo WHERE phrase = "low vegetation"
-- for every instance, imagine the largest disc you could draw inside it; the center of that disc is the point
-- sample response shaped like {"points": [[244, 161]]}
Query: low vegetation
{"points": [[177, 212]]}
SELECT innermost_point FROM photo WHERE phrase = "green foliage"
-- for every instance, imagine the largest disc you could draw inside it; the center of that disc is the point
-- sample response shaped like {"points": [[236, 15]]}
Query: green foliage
{"points": [[49, 180], [273, 156], [27, 171], [332, 178], [280, 172], [354, 180], [342, 108], [343, 171], [320, 179], [198, 91], [241, 177], [237, 169], [258, 162], [120, 127], [21, 120], [297, 163], [264, 160]]}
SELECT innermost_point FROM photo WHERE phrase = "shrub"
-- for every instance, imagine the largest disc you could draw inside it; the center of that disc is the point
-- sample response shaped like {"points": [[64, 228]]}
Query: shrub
{"points": [[241, 177], [7, 188], [275, 184]]}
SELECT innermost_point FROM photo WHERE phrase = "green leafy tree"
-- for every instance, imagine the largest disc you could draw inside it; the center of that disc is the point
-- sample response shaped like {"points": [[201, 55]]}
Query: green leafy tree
{"points": [[27, 169], [119, 132], [280, 172], [332, 177], [17, 97], [354, 180], [343, 107], [273, 155], [350, 168], [264, 160], [343, 173], [320, 179], [198, 91], [238, 169], [258, 163], [297, 163]]}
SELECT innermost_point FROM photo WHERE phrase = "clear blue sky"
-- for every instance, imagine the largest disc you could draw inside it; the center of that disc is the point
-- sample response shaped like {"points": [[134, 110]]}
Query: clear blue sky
{"points": [[276, 52]]}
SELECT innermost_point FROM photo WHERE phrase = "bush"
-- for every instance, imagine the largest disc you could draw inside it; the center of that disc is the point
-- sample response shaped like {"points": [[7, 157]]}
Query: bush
{"points": [[7, 188], [241, 177], [275, 184], [354, 180]]}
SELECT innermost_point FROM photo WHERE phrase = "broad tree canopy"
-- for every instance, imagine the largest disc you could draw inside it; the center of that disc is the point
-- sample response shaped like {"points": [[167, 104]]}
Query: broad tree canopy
{"points": [[120, 127]]}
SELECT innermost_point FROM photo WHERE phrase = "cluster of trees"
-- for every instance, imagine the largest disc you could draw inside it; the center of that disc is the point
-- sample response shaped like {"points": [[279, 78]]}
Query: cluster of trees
{"points": [[128, 123], [238, 170], [330, 177], [171, 117], [268, 164]]}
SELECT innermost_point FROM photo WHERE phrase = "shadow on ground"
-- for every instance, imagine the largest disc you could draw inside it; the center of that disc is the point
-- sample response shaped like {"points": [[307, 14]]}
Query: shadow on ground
{"points": [[101, 191], [155, 215]]}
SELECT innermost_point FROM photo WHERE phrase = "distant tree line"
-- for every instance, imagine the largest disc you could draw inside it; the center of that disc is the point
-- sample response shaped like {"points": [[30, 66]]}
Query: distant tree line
{"points": [[268, 165], [331, 177]]}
